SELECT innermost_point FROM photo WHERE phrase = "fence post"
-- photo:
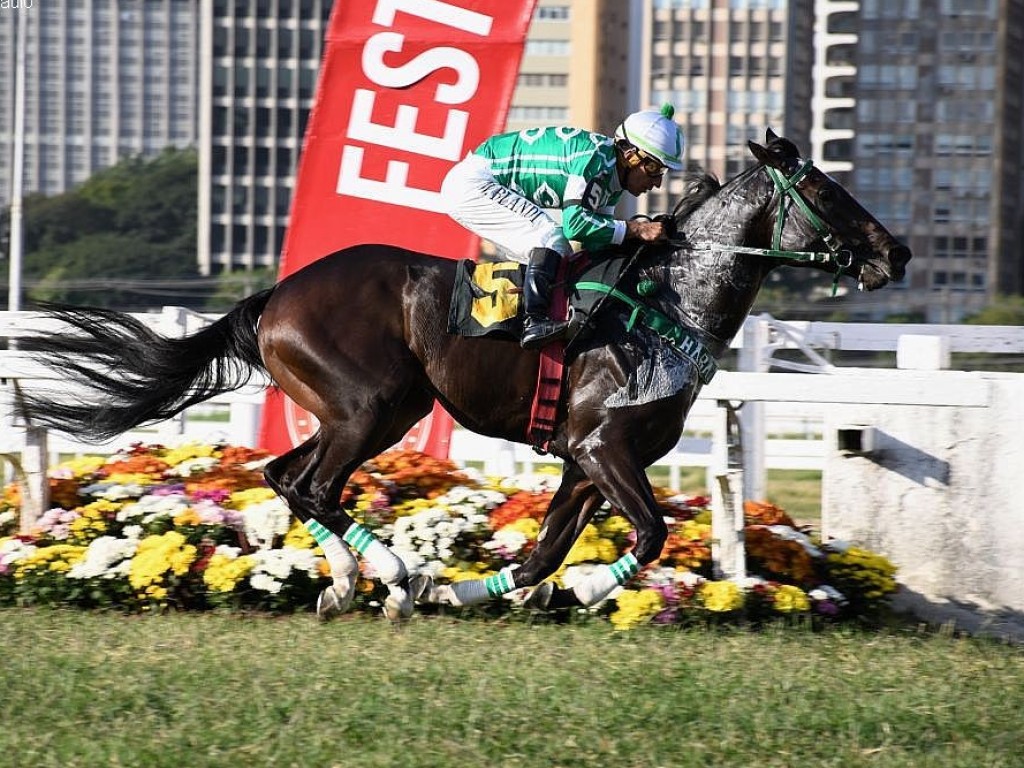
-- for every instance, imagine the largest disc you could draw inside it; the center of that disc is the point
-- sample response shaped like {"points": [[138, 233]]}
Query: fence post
{"points": [[751, 359], [728, 553], [35, 486]]}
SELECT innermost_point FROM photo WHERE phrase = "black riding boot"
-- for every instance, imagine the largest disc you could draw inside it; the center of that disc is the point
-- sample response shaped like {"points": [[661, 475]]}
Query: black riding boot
{"points": [[541, 271]]}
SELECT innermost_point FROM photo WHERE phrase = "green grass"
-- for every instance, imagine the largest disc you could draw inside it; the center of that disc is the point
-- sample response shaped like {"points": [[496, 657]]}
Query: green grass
{"points": [[93, 689]]}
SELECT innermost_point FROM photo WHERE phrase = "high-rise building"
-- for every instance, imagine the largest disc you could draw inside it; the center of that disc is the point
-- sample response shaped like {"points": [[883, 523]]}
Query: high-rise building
{"points": [[920, 114], [104, 79], [258, 68], [576, 66], [731, 68]]}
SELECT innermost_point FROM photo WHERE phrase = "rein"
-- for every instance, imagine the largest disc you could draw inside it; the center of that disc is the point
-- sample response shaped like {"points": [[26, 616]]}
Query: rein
{"points": [[839, 257]]}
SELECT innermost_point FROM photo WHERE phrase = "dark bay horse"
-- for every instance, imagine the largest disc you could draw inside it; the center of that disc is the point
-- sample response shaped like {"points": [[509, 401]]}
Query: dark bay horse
{"points": [[359, 340]]}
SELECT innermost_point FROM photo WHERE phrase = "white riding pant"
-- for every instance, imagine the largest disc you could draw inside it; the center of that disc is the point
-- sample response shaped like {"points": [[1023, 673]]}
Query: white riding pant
{"points": [[496, 213]]}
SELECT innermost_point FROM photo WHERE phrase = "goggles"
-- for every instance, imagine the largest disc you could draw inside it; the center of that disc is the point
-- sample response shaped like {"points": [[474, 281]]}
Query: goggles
{"points": [[652, 167]]}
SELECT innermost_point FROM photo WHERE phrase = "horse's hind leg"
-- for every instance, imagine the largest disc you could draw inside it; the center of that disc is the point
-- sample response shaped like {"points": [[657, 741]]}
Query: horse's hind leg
{"points": [[313, 481], [281, 474]]}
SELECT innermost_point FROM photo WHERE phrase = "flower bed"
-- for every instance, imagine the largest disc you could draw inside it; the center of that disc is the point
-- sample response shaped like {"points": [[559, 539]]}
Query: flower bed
{"points": [[195, 527]]}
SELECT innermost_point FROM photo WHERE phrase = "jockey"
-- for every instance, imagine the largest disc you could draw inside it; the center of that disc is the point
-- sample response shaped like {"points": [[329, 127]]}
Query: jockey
{"points": [[500, 189]]}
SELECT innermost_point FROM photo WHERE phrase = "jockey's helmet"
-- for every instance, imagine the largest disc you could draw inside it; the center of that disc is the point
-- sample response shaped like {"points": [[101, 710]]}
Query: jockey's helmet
{"points": [[654, 133]]}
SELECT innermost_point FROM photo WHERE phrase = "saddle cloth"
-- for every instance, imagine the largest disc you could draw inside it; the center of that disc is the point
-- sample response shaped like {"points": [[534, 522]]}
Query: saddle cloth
{"points": [[487, 298]]}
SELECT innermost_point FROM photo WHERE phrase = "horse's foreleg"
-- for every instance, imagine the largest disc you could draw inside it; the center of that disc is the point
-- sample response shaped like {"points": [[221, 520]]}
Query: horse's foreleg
{"points": [[626, 488], [571, 508]]}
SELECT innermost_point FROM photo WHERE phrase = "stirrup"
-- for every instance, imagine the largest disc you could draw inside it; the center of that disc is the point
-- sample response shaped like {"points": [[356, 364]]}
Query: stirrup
{"points": [[538, 333]]}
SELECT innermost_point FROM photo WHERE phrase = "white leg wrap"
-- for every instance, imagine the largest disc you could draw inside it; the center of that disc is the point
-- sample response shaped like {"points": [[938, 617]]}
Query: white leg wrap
{"points": [[389, 567], [462, 593], [343, 564], [606, 578]]}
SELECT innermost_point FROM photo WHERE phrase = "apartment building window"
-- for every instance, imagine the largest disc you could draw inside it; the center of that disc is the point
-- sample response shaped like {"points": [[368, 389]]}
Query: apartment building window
{"points": [[543, 80], [552, 13], [547, 48], [968, 8], [667, 4]]}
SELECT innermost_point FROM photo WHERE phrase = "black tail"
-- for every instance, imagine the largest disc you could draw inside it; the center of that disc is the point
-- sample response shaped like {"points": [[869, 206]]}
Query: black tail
{"points": [[126, 374]]}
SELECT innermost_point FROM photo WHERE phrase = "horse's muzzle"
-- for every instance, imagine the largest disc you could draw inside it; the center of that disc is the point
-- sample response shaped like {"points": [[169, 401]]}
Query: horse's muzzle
{"points": [[898, 256]]}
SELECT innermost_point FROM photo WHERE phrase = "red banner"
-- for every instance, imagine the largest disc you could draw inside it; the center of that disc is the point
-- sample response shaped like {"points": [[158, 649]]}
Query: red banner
{"points": [[406, 88]]}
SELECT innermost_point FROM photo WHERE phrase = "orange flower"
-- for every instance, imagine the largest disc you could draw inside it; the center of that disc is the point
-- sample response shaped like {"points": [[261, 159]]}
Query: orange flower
{"points": [[781, 557], [520, 505], [763, 513], [64, 492], [237, 454]]}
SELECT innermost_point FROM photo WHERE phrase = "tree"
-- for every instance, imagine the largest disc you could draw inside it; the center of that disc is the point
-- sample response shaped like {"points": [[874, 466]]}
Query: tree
{"points": [[113, 240], [1005, 310]]}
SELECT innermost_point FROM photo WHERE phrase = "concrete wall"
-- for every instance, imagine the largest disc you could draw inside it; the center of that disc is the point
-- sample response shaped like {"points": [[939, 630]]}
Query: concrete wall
{"points": [[940, 491]]}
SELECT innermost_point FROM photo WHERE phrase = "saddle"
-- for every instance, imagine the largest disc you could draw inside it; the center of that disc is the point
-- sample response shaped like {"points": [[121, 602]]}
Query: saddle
{"points": [[487, 298], [486, 301]]}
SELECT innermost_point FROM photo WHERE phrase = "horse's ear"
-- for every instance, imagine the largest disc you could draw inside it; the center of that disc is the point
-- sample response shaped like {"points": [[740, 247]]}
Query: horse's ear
{"points": [[770, 135], [763, 155]]}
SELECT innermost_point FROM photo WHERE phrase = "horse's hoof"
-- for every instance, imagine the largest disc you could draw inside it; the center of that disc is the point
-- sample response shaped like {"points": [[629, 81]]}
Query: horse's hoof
{"points": [[540, 598], [398, 605], [423, 589], [331, 603]]}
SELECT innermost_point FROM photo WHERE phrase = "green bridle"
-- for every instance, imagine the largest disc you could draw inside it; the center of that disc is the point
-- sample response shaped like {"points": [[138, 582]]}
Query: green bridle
{"points": [[789, 195]]}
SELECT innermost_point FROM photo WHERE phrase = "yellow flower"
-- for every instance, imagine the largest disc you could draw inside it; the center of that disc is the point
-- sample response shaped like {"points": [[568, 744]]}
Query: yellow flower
{"points": [[721, 596], [182, 453], [636, 607], [453, 574], [615, 525], [242, 499], [527, 526], [158, 556], [691, 529], [590, 547], [57, 559], [790, 599], [187, 517], [299, 537], [83, 465], [223, 573], [412, 506]]}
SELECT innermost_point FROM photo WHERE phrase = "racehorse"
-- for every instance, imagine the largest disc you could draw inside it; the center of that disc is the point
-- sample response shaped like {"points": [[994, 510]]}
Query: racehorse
{"points": [[359, 340]]}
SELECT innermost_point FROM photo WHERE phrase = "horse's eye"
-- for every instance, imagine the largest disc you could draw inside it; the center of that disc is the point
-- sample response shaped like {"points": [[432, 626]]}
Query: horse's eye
{"points": [[826, 198]]}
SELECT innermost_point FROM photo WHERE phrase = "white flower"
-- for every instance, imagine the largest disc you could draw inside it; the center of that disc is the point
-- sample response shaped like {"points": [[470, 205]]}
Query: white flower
{"points": [[108, 557], [193, 465], [538, 482], [12, 550], [7, 517], [265, 583], [507, 542], [265, 521], [273, 567], [153, 507], [119, 491], [825, 592]]}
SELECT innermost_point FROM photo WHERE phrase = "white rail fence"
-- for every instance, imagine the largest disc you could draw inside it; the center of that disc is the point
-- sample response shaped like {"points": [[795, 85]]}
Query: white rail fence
{"points": [[744, 422]]}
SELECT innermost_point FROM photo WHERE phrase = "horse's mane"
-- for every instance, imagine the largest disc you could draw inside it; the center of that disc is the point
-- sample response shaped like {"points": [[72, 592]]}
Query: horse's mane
{"points": [[698, 188]]}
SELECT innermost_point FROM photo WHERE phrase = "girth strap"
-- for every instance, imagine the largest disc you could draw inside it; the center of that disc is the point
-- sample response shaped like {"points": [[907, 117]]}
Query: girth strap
{"points": [[680, 337]]}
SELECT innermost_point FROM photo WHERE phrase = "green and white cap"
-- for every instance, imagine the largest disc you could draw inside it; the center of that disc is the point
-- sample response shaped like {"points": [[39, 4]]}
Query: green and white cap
{"points": [[653, 132]]}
